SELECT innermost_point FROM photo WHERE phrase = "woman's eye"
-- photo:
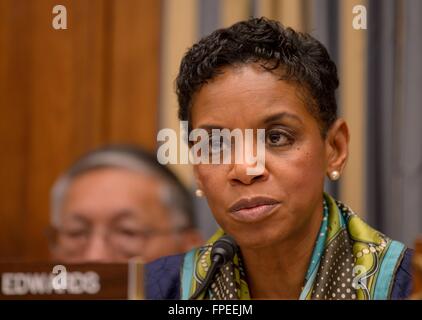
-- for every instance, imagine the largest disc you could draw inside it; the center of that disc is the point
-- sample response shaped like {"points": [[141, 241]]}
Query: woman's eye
{"points": [[278, 138], [217, 144]]}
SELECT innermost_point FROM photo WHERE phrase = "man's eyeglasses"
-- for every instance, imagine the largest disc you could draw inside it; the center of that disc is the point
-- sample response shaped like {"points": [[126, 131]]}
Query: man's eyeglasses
{"points": [[124, 241]]}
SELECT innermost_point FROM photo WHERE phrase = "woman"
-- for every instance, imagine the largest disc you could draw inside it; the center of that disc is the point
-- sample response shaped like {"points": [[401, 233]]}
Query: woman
{"points": [[295, 241]]}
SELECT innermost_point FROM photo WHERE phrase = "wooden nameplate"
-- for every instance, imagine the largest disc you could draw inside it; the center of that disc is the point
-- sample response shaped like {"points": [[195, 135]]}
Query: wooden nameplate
{"points": [[49, 280]]}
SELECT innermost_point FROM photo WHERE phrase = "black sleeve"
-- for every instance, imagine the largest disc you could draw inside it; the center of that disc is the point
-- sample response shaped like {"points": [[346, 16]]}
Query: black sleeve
{"points": [[402, 286]]}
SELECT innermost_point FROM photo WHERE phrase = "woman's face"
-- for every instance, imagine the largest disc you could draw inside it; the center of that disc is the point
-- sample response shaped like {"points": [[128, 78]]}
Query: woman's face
{"points": [[278, 204]]}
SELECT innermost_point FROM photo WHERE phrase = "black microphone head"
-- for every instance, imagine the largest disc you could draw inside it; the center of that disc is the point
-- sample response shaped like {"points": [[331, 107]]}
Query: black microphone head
{"points": [[223, 251], [225, 247]]}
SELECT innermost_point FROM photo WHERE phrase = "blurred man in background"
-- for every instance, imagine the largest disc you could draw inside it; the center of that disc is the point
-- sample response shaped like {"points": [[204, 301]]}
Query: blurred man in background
{"points": [[116, 203]]}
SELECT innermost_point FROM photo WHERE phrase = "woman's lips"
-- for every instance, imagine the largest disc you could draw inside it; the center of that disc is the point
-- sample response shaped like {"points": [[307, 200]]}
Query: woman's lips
{"points": [[253, 209]]}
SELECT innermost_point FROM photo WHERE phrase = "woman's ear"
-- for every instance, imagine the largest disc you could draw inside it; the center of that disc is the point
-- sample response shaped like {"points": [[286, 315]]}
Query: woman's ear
{"points": [[337, 147]]}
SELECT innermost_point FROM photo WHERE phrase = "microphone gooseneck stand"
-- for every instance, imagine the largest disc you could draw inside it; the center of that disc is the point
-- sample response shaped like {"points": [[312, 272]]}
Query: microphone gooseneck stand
{"points": [[223, 251]]}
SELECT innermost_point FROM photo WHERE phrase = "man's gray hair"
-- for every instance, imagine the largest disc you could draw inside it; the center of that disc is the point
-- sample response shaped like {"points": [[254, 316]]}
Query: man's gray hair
{"points": [[174, 195]]}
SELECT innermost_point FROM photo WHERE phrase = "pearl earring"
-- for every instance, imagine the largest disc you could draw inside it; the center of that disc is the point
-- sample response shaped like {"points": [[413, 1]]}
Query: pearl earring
{"points": [[199, 193], [334, 175]]}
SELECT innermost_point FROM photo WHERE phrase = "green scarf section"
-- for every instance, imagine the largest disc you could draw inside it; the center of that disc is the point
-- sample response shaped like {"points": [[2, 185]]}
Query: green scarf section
{"points": [[350, 261]]}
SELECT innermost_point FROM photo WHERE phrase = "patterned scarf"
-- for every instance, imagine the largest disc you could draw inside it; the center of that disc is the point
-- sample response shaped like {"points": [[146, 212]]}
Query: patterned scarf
{"points": [[350, 260]]}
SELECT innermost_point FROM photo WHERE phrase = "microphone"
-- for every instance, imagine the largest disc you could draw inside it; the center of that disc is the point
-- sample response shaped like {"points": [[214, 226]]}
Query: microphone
{"points": [[222, 252]]}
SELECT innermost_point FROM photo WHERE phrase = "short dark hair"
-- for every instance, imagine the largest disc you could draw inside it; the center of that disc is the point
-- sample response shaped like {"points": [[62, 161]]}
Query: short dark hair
{"points": [[300, 57]]}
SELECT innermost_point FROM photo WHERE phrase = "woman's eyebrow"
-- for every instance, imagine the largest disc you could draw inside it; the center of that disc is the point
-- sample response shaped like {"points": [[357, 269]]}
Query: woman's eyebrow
{"points": [[209, 127], [281, 116], [272, 118]]}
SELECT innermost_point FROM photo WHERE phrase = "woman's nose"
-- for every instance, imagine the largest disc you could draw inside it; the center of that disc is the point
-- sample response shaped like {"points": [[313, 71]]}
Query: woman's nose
{"points": [[245, 173]]}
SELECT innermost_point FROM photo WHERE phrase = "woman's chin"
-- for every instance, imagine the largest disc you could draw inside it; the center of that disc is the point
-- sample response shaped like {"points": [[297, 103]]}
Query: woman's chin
{"points": [[251, 241]]}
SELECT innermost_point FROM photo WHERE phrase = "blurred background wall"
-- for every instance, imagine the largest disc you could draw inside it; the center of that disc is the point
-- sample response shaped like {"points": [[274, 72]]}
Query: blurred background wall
{"points": [[64, 92], [110, 78]]}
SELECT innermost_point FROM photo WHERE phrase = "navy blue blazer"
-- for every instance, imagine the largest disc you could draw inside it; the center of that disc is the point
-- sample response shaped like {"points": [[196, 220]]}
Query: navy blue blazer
{"points": [[163, 278]]}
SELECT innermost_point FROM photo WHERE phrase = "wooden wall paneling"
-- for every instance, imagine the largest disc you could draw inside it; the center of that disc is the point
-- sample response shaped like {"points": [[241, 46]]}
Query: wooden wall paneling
{"points": [[133, 72], [65, 92], [65, 115], [13, 104]]}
